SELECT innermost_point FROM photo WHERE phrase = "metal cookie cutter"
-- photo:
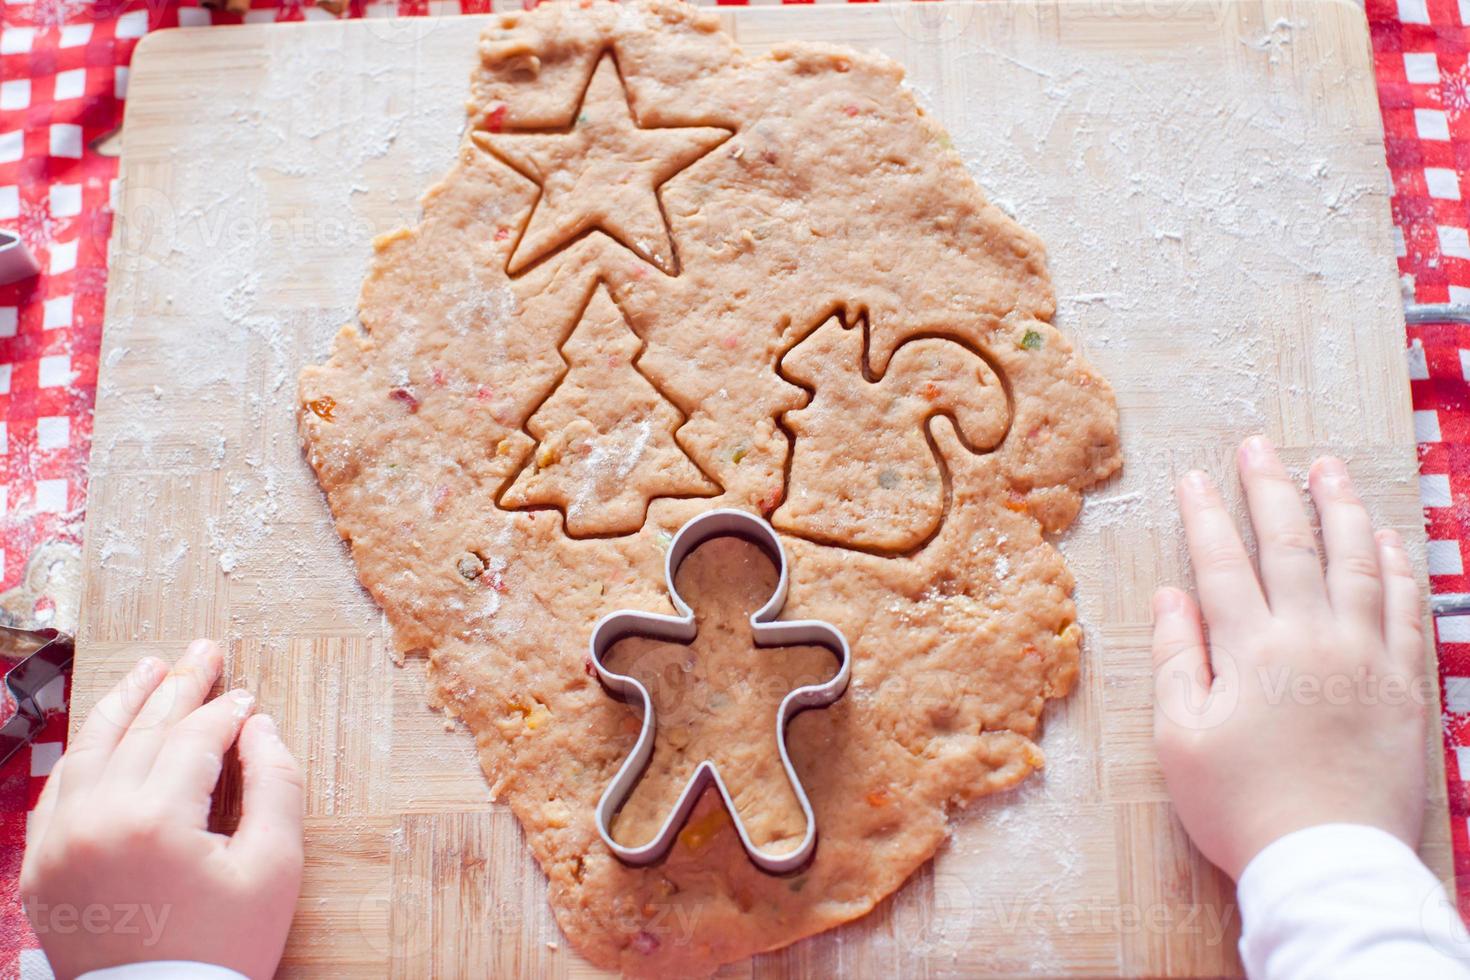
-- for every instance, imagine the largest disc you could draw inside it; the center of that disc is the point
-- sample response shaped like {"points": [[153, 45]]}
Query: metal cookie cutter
{"points": [[32, 659], [767, 632], [16, 261]]}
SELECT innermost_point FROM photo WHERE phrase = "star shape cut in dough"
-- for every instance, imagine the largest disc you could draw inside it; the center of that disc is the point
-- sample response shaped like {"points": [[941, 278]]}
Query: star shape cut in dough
{"points": [[601, 174]]}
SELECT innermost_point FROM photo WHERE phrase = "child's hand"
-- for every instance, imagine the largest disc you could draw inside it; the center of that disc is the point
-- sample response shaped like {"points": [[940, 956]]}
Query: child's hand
{"points": [[119, 834], [1308, 706]]}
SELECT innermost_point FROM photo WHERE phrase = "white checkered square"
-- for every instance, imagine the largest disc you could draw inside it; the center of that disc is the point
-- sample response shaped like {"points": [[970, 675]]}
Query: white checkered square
{"points": [[66, 200], [199, 16], [15, 94], [12, 145], [9, 202], [63, 256], [1421, 69], [1434, 490], [53, 371], [1426, 426], [51, 496], [1459, 296], [1445, 558], [44, 756], [9, 319], [1417, 363], [71, 84], [134, 24], [66, 141], [1431, 124], [120, 77], [75, 35], [1456, 689], [56, 313], [1442, 183], [16, 40], [4, 386], [1454, 242], [54, 432]]}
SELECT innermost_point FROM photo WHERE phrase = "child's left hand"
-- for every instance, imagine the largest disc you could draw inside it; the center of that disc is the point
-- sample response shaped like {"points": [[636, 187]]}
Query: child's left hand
{"points": [[121, 867]]}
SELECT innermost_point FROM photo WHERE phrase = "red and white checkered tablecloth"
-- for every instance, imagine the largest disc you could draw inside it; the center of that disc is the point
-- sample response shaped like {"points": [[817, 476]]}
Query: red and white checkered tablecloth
{"points": [[63, 79], [1420, 51]]}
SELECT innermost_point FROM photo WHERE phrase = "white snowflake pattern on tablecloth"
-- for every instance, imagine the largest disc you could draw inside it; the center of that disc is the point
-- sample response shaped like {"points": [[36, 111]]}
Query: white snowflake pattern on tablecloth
{"points": [[46, 14], [1454, 91], [38, 226]]}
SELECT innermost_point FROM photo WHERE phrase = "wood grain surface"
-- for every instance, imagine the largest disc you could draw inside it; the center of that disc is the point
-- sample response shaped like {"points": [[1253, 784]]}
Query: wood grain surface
{"points": [[1209, 179]]}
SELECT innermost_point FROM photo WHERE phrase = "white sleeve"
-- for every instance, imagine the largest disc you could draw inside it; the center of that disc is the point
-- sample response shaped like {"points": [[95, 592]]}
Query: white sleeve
{"points": [[1347, 901], [163, 970]]}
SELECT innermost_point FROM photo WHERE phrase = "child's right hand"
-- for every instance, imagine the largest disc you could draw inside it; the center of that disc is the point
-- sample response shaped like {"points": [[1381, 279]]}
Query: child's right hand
{"points": [[1308, 704], [120, 866]]}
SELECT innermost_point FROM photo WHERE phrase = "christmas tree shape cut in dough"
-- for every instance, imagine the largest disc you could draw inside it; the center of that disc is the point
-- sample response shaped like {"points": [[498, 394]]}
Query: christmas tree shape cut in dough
{"points": [[605, 436], [866, 472], [602, 174]]}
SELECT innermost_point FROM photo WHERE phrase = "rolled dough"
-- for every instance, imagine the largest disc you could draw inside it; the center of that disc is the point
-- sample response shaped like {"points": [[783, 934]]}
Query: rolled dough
{"points": [[663, 276]]}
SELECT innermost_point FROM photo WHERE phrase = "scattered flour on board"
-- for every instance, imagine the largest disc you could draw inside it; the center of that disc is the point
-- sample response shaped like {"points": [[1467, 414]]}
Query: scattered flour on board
{"points": [[1274, 41], [265, 272]]}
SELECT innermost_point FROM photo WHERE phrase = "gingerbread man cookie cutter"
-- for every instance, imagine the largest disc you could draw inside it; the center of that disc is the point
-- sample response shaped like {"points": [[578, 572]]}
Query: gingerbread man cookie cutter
{"points": [[767, 631]]}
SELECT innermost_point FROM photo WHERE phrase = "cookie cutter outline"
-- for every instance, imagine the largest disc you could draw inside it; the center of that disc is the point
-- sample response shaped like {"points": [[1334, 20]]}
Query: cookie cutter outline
{"points": [[16, 260], [767, 631]]}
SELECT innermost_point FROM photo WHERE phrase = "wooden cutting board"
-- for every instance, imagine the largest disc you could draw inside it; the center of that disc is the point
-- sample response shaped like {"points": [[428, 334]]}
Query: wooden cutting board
{"points": [[1209, 178]]}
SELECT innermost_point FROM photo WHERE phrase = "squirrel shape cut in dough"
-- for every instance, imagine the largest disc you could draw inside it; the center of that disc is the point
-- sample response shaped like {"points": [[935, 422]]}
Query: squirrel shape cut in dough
{"points": [[866, 472]]}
